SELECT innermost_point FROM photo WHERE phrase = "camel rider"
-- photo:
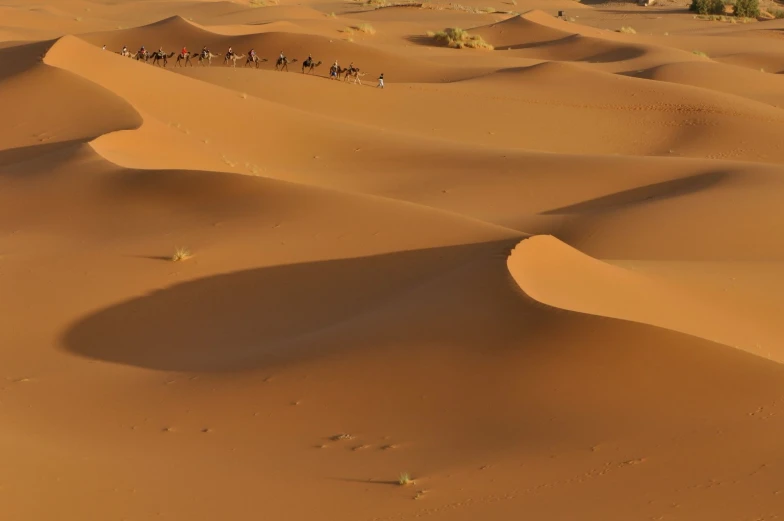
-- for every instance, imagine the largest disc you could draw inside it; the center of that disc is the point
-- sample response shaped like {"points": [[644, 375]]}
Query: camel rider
{"points": [[230, 54], [205, 52], [282, 58], [125, 49], [310, 58], [160, 51], [252, 54], [103, 48], [142, 50], [184, 52]]}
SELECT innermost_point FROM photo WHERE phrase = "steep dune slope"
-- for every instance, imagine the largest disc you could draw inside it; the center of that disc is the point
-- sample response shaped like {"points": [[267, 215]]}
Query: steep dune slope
{"points": [[555, 274], [48, 105]]}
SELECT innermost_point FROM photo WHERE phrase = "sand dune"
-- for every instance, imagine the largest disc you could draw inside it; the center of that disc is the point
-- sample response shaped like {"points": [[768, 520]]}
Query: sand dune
{"points": [[555, 274], [754, 85], [542, 280]]}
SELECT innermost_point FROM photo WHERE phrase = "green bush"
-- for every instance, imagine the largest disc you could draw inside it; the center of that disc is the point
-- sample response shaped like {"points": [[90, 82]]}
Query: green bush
{"points": [[747, 8], [708, 6]]}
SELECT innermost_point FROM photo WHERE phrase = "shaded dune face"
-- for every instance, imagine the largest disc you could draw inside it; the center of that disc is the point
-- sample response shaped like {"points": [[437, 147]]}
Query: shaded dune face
{"points": [[251, 318]]}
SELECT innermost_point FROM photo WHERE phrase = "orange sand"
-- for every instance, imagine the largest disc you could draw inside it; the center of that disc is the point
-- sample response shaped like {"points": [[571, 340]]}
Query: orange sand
{"points": [[543, 280]]}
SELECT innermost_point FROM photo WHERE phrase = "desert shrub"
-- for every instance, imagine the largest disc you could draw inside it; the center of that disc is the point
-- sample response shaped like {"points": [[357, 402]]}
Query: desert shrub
{"points": [[627, 30], [707, 6], [181, 254], [365, 28], [459, 38], [747, 8], [700, 53]]}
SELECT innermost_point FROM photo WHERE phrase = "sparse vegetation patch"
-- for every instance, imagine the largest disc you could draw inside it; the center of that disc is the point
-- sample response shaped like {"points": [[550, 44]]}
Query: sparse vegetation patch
{"points": [[706, 7], [365, 28], [181, 254], [627, 30], [746, 8], [458, 38]]}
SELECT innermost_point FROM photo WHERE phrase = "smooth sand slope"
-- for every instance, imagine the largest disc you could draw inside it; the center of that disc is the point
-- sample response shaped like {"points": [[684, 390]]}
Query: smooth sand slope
{"points": [[544, 281]]}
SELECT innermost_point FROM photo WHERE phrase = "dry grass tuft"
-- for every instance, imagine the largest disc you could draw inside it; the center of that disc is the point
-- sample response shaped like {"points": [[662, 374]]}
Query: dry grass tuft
{"points": [[700, 53], [181, 254], [627, 30], [365, 28], [332, 15], [405, 479], [458, 38]]}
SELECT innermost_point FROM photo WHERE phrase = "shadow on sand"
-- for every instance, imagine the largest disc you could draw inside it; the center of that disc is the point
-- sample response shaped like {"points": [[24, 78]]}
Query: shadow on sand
{"points": [[257, 317]]}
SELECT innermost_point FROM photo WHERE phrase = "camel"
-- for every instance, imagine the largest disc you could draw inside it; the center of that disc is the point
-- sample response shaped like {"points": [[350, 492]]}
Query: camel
{"points": [[142, 56], [125, 54], [308, 64], [352, 72], [283, 63], [207, 57], [161, 56], [338, 72], [255, 59], [357, 75], [233, 58], [185, 58]]}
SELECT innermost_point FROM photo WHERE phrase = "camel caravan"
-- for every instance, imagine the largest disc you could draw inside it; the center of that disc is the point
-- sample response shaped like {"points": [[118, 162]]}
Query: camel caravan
{"points": [[204, 58]]}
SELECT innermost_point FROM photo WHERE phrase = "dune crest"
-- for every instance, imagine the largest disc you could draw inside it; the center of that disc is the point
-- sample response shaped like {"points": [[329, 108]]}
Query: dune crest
{"points": [[555, 274]]}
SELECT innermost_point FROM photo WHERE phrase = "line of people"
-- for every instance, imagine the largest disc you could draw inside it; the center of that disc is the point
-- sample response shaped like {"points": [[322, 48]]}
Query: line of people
{"points": [[205, 53], [334, 70]]}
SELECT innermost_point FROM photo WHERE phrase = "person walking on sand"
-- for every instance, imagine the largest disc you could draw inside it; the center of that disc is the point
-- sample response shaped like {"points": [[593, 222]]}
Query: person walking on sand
{"points": [[380, 81]]}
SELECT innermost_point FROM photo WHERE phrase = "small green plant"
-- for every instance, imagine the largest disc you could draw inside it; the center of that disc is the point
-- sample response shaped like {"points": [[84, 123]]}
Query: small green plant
{"points": [[405, 479], [627, 30], [706, 7], [365, 28], [700, 53], [747, 8], [777, 13], [181, 254], [459, 39]]}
